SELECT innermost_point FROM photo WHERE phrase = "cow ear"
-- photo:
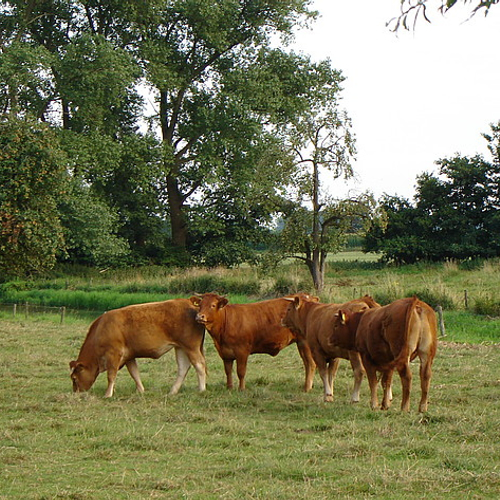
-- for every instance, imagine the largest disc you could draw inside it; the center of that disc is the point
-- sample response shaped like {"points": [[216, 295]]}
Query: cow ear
{"points": [[313, 298], [341, 316], [75, 366], [296, 302], [195, 300], [222, 302]]}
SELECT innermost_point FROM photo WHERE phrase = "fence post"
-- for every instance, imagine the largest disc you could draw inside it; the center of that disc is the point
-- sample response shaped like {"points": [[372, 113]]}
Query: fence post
{"points": [[442, 331], [63, 314], [466, 299], [15, 310], [26, 310]]}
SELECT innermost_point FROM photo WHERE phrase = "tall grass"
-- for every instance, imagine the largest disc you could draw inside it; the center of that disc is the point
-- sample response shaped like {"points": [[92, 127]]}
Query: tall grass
{"points": [[451, 285]]}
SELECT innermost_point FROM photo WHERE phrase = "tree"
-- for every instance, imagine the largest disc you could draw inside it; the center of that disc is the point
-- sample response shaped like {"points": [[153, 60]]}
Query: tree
{"points": [[68, 64], [89, 228], [32, 178], [455, 214], [219, 84], [412, 10], [321, 141]]}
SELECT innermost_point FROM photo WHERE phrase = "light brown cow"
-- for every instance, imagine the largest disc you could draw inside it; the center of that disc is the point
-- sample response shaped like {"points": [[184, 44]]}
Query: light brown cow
{"points": [[388, 339], [315, 321], [149, 330], [239, 330]]}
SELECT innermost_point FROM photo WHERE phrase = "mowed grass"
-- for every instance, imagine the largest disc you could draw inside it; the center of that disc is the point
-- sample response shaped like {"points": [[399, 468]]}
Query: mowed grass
{"points": [[271, 441]]}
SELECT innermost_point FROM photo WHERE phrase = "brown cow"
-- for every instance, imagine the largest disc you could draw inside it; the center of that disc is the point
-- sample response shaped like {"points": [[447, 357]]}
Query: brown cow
{"points": [[149, 330], [389, 338], [239, 330], [315, 321]]}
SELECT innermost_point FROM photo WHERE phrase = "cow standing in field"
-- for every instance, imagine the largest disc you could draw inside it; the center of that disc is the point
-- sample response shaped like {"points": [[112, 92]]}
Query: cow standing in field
{"points": [[239, 330], [149, 330], [388, 339], [314, 321]]}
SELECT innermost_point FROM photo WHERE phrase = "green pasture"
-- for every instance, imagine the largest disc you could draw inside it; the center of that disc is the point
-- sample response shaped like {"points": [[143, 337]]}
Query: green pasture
{"points": [[470, 286], [271, 441]]}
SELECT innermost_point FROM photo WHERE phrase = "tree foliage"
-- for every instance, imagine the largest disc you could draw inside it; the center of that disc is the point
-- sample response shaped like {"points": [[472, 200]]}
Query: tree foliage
{"points": [[219, 86], [322, 146], [32, 178], [455, 215]]}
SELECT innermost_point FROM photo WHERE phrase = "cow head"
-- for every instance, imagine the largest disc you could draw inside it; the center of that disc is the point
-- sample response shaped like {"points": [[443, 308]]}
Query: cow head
{"points": [[290, 318], [209, 305], [369, 301], [344, 328], [81, 376]]}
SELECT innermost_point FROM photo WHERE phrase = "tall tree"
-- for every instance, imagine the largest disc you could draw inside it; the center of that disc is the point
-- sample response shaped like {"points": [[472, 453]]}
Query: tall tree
{"points": [[195, 55], [322, 144]]}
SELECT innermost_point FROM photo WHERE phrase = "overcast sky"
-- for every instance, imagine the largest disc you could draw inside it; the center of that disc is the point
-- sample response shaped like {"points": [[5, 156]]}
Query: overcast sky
{"points": [[414, 97]]}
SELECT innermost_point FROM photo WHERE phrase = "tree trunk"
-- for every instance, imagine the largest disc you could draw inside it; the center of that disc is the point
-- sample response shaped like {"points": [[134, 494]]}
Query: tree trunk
{"points": [[317, 270], [177, 217], [175, 198]]}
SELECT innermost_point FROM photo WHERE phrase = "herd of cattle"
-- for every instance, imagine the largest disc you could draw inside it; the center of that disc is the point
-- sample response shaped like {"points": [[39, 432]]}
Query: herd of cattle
{"points": [[373, 338]]}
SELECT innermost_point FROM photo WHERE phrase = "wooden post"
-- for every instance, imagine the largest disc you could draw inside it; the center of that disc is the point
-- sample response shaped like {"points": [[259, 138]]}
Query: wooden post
{"points": [[442, 331], [63, 313], [466, 299], [15, 310], [26, 310]]}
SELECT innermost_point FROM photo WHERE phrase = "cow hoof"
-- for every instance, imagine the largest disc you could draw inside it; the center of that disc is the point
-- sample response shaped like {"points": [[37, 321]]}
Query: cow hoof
{"points": [[328, 398]]}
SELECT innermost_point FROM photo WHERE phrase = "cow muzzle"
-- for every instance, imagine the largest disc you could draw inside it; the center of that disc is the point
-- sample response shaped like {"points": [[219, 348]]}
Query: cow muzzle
{"points": [[201, 318]]}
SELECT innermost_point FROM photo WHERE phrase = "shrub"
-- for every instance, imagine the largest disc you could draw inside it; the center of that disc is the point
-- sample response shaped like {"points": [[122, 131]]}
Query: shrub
{"points": [[285, 286], [433, 298], [487, 306]]}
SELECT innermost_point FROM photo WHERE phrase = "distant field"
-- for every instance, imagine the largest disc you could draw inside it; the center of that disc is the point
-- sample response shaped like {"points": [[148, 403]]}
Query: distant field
{"points": [[271, 441], [354, 256]]}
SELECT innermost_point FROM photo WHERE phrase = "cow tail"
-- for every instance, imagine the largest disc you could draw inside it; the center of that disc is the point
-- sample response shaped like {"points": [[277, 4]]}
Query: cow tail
{"points": [[404, 354], [202, 348]]}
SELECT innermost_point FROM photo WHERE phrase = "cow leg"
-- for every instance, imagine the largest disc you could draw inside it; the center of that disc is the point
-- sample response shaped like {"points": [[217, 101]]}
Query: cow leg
{"points": [[328, 377], [405, 374], [133, 369], [309, 364], [358, 372], [228, 368], [197, 359], [241, 370], [425, 381], [371, 375], [112, 372], [183, 366], [387, 386]]}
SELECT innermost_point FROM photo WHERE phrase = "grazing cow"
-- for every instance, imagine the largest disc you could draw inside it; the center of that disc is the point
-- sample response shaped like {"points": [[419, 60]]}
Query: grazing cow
{"points": [[389, 338], [315, 321], [239, 330], [149, 330]]}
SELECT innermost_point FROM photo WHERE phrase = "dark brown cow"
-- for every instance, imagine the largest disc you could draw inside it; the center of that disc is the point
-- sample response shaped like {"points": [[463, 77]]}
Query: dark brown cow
{"points": [[388, 339], [315, 321], [149, 330], [239, 330]]}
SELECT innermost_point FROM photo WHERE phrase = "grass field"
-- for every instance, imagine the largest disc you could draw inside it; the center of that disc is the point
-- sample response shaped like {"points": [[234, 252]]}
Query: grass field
{"points": [[271, 441]]}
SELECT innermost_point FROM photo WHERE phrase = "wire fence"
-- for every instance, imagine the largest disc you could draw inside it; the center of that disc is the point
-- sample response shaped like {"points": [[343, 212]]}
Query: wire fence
{"points": [[57, 314]]}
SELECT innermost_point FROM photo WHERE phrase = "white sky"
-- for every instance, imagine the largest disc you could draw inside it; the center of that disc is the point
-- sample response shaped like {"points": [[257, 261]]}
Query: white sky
{"points": [[414, 97]]}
